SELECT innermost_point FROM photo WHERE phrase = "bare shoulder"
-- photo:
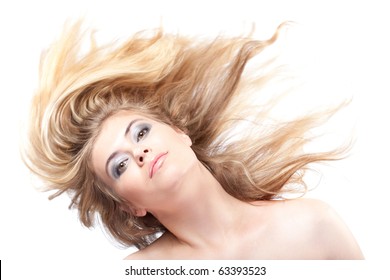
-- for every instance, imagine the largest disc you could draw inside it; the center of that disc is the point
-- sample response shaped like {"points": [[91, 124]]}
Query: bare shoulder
{"points": [[300, 216], [334, 235], [316, 225], [138, 255], [154, 251], [300, 204], [305, 209]]}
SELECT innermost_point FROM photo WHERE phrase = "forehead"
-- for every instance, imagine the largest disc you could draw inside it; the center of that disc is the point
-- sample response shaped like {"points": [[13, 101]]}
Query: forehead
{"points": [[115, 124], [118, 123], [118, 118]]}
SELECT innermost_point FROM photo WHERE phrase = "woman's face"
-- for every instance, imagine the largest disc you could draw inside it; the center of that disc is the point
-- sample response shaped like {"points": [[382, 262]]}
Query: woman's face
{"points": [[143, 160]]}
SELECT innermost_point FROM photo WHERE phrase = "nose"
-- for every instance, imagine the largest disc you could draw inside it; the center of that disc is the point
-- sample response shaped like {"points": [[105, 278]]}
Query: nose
{"points": [[140, 154]]}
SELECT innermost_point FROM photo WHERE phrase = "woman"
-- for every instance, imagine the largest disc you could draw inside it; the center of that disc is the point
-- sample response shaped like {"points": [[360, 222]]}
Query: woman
{"points": [[159, 136]]}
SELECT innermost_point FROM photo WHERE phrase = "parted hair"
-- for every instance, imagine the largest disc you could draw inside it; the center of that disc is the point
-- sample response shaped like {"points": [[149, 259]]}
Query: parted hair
{"points": [[197, 85]]}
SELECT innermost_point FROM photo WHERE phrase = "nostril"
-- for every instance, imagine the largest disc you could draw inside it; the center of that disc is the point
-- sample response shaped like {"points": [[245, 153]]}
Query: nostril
{"points": [[146, 151], [141, 159]]}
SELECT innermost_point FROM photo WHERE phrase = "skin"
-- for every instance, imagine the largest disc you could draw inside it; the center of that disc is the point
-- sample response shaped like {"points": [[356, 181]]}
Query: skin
{"points": [[203, 221]]}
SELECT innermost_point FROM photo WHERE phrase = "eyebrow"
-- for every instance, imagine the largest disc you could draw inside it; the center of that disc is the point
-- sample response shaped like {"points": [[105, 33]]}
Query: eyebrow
{"points": [[128, 128]]}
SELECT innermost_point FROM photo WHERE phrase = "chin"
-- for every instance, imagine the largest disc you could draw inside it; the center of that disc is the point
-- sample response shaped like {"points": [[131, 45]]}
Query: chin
{"points": [[171, 177]]}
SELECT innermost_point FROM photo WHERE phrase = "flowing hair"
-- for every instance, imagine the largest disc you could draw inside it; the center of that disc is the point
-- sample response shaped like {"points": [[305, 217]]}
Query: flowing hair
{"points": [[196, 85]]}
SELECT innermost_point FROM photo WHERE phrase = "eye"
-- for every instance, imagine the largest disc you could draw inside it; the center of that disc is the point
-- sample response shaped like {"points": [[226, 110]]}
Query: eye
{"points": [[142, 133], [120, 168]]}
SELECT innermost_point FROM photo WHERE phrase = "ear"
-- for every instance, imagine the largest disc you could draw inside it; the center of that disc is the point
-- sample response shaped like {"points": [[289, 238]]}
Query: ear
{"points": [[134, 211], [139, 212]]}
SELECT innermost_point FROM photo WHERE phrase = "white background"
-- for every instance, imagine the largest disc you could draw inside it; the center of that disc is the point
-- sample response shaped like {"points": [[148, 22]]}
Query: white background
{"points": [[341, 46]]}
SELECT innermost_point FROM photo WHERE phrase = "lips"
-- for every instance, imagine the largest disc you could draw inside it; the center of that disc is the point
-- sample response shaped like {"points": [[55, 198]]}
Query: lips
{"points": [[156, 163]]}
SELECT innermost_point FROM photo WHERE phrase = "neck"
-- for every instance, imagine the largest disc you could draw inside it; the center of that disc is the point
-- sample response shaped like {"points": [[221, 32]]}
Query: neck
{"points": [[202, 214]]}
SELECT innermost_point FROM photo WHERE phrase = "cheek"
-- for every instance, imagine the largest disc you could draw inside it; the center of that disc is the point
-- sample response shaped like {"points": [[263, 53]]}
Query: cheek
{"points": [[131, 187], [177, 168]]}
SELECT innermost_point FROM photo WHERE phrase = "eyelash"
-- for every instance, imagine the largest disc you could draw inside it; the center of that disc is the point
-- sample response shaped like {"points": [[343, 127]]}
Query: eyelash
{"points": [[118, 172], [141, 134]]}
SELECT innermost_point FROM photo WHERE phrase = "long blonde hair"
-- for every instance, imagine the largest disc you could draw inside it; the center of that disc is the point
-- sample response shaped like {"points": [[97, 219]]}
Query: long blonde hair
{"points": [[195, 85]]}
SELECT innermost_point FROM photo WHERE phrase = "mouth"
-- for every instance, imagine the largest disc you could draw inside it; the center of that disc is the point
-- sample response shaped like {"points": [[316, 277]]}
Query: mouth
{"points": [[156, 163]]}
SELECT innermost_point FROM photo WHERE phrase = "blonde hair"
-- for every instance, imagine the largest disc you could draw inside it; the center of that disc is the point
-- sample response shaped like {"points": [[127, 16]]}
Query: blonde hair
{"points": [[195, 85]]}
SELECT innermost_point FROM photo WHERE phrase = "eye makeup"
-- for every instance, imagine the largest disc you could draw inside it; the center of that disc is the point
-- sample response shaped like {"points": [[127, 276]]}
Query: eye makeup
{"points": [[141, 131], [119, 166], [118, 163]]}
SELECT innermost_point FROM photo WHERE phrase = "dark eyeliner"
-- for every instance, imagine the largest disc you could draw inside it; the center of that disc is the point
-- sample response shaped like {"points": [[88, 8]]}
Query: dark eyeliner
{"points": [[115, 169], [144, 128]]}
